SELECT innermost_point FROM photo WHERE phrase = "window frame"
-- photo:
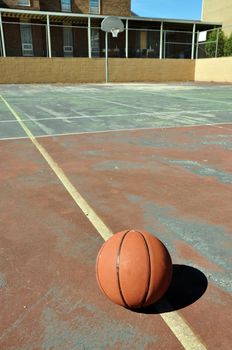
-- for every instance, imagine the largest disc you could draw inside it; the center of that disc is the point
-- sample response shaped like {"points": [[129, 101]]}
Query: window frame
{"points": [[26, 5], [64, 7], [98, 8]]}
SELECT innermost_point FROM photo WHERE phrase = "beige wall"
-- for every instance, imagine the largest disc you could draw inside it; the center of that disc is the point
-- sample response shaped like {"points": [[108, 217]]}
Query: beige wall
{"points": [[214, 70], [85, 70], [53, 70], [219, 11], [151, 70]]}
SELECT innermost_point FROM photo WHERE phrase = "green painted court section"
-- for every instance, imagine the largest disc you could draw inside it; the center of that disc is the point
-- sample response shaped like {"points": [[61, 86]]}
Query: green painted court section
{"points": [[60, 109]]}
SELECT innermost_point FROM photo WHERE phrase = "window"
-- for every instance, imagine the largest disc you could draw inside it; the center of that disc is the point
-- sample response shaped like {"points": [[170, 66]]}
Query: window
{"points": [[68, 42], [23, 2], [26, 39], [66, 5], [94, 6]]}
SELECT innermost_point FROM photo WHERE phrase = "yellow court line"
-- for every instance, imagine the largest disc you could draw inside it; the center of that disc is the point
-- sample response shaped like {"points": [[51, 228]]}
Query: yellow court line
{"points": [[174, 321]]}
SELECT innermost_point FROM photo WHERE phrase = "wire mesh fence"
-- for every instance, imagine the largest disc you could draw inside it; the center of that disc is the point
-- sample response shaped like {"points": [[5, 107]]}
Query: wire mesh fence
{"points": [[214, 43], [32, 39]]}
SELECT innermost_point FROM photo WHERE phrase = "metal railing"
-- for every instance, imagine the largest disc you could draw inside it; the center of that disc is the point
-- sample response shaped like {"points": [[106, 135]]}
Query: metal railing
{"points": [[214, 43], [59, 40]]}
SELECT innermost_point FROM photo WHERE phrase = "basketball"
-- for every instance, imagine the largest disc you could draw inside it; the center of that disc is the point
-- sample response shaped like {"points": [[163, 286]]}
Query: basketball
{"points": [[133, 269]]}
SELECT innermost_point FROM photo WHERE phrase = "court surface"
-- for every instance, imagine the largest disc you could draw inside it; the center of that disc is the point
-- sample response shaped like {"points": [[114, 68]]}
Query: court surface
{"points": [[78, 163]]}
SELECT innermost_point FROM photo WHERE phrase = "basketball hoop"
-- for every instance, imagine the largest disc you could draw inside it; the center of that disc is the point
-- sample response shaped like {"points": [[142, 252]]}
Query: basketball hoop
{"points": [[112, 24]]}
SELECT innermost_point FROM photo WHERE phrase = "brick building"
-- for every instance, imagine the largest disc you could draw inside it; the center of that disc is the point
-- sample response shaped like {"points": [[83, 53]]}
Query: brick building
{"points": [[71, 28], [214, 10]]}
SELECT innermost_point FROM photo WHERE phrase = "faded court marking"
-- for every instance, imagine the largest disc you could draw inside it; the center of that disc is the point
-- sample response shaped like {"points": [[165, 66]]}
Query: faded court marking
{"points": [[173, 320]]}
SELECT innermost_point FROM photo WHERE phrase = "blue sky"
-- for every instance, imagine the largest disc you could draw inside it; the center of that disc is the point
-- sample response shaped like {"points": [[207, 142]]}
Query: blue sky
{"points": [[178, 9]]}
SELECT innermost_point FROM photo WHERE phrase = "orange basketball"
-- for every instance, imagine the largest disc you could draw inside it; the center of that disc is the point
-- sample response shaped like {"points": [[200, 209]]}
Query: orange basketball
{"points": [[133, 269]]}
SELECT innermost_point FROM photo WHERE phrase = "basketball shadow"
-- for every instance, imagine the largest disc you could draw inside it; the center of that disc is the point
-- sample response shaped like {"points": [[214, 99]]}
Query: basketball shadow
{"points": [[187, 286]]}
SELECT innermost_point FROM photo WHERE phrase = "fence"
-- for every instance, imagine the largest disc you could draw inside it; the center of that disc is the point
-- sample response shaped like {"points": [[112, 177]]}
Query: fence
{"points": [[29, 39], [214, 43]]}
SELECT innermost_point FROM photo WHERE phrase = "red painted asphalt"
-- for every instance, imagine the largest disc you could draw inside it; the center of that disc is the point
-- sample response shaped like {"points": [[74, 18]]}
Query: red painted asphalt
{"points": [[50, 298]]}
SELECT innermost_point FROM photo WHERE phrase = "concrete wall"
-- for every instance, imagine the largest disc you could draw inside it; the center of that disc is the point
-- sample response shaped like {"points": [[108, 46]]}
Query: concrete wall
{"points": [[217, 70], [85, 70], [221, 11]]}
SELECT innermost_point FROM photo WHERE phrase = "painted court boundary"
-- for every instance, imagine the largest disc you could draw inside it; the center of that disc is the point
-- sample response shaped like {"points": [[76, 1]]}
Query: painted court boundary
{"points": [[173, 320], [215, 125]]}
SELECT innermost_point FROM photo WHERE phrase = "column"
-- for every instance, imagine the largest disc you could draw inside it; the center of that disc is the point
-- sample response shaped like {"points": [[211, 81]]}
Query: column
{"points": [[49, 37], [161, 41], [2, 37], [193, 41], [89, 37]]}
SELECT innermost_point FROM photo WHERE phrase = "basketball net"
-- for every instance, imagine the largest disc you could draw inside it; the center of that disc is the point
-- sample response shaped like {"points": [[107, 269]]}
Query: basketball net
{"points": [[114, 32]]}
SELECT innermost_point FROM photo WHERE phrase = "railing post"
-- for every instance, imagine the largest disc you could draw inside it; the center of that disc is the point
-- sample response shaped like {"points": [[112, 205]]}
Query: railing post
{"points": [[49, 37], [193, 41], [89, 38], [126, 51], [161, 41], [197, 45], [2, 37], [216, 50], [164, 54]]}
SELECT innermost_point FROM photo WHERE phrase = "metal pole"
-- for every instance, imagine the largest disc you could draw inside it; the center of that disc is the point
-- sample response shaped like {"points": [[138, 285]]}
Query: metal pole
{"points": [[197, 44], [49, 37], [193, 40], [106, 47], [164, 44], [126, 38], [89, 37], [161, 41], [216, 50], [2, 37]]}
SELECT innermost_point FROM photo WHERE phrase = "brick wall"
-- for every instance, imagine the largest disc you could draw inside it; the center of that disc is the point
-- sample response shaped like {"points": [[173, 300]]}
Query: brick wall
{"points": [[81, 6], [53, 70], [107, 7], [116, 8], [35, 4], [53, 5], [85, 70], [151, 70], [12, 38]]}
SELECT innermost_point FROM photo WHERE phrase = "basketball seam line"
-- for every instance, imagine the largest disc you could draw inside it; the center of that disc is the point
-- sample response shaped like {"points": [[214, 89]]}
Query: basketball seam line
{"points": [[118, 269], [97, 274], [149, 274]]}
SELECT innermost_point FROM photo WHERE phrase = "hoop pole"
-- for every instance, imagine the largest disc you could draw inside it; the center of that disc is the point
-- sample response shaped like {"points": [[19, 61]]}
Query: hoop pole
{"points": [[106, 54]]}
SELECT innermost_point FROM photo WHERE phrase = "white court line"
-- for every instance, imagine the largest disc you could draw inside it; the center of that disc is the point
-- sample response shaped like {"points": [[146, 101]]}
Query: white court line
{"points": [[121, 130], [158, 114], [78, 117], [189, 98], [173, 320]]}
